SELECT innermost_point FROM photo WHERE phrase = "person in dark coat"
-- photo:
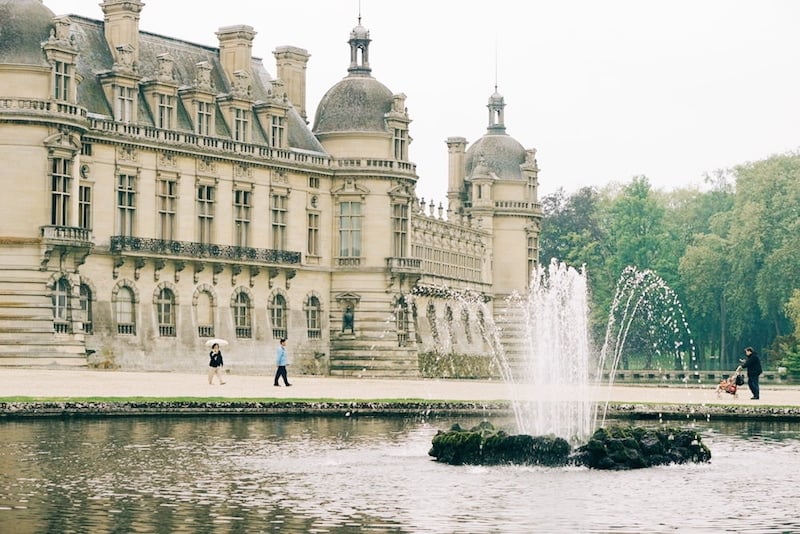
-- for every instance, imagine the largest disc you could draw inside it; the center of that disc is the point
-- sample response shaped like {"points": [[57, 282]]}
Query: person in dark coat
{"points": [[215, 364], [752, 363]]}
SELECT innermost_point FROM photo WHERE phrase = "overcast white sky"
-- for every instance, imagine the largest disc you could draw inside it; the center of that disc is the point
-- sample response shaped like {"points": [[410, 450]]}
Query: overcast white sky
{"points": [[604, 90]]}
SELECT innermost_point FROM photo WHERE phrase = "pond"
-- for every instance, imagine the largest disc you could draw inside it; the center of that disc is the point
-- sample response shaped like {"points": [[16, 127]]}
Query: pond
{"points": [[368, 474]]}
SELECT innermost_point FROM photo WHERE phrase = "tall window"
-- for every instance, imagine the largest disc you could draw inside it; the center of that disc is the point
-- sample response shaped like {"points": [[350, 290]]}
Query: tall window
{"points": [[166, 108], [278, 316], [401, 314], [61, 307], [63, 80], [241, 217], [203, 122], [60, 184], [205, 315], [279, 208], [126, 204], [313, 234], [86, 308], [350, 229], [313, 325], [533, 255], [124, 108], [167, 201], [125, 311], [242, 319], [165, 312], [241, 123], [399, 230], [85, 207], [400, 144], [277, 128], [205, 213]]}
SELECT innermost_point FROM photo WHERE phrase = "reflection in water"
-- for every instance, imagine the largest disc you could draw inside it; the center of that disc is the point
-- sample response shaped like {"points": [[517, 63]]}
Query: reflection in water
{"points": [[342, 475]]}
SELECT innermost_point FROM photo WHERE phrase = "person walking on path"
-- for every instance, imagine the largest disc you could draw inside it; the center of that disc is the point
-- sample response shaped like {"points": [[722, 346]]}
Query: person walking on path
{"points": [[215, 365], [282, 361], [753, 365]]}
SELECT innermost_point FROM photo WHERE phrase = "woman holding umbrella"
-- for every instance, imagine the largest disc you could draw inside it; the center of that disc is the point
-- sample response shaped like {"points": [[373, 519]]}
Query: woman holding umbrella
{"points": [[215, 363]]}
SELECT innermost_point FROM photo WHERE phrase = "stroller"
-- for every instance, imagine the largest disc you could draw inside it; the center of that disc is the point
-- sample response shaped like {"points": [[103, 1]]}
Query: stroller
{"points": [[731, 384]]}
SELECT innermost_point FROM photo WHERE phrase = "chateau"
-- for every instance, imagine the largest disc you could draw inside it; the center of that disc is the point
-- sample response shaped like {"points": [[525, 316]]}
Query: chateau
{"points": [[158, 193]]}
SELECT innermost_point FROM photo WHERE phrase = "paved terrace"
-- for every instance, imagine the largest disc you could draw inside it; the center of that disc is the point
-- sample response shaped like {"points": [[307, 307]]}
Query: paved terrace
{"points": [[83, 383]]}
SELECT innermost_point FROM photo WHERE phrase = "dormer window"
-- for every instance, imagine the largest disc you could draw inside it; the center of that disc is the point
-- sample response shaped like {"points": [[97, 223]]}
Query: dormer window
{"points": [[241, 124], [62, 80], [203, 118], [166, 111], [277, 131], [123, 111]]}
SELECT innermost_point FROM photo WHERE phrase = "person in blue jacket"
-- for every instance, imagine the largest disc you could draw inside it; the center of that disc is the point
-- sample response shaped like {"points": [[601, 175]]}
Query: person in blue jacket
{"points": [[282, 361]]}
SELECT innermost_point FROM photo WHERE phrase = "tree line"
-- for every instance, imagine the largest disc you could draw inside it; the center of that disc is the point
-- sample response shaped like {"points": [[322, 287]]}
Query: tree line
{"points": [[730, 251]]}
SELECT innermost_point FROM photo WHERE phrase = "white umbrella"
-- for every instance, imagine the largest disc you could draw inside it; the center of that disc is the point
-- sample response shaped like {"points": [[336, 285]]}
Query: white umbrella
{"points": [[211, 342]]}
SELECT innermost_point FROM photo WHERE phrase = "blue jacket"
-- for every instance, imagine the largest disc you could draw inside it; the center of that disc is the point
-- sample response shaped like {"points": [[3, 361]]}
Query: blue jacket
{"points": [[280, 356]]}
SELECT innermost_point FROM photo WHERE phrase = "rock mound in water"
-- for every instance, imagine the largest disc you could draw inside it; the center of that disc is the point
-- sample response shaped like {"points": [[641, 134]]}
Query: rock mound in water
{"points": [[626, 447], [612, 448], [483, 445]]}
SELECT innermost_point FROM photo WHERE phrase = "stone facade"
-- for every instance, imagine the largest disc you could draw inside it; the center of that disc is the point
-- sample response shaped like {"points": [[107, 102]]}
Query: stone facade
{"points": [[157, 194]]}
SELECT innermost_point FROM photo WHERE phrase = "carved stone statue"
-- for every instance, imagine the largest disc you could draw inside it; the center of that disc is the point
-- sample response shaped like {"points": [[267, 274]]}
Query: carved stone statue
{"points": [[347, 320]]}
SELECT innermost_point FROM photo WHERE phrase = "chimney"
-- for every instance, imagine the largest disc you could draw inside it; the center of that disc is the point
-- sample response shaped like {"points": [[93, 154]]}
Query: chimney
{"points": [[291, 69], [121, 24], [235, 50], [456, 149]]}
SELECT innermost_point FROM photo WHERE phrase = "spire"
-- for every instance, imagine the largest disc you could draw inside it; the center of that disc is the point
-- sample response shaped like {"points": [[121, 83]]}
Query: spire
{"points": [[359, 50]]}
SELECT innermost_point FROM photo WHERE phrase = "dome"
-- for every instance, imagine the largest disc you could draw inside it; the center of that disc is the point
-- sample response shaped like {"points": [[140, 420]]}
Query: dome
{"points": [[356, 103], [502, 155], [359, 32], [26, 25]]}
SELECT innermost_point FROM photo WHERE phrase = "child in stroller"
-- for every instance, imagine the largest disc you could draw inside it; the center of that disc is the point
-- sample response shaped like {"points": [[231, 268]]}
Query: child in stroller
{"points": [[730, 384]]}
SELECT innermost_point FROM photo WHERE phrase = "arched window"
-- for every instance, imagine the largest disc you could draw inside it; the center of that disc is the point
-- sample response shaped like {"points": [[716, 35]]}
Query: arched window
{"points": [[86, 308], [313, 313], [125, 311], [278, 316], [165, 311], [242, 319], [61, 316], [205, 314]]}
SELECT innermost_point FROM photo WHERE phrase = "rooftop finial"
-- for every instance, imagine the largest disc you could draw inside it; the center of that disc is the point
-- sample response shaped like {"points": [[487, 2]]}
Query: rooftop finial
{"points": [[496, 46], [359, 12]]}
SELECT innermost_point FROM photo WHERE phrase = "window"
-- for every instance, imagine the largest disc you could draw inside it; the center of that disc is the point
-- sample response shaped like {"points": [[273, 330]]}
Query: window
{"points": [[205, 213], [277, 127], [167, 201], [278, 316], [350, 229], [279, 204], [125, 311], [165, 311], [86, 308], [242, 316], [313, 315], [401, 316], [400, 144], [241, 123], [313, 182], [61, 307], [205, 315], [60, 184], [313, 234], [241, 217], [203, 122], [166, 109], [63, 80], [124, 109], [85, 207], [399, 230], [533, 255], [126, 204]]}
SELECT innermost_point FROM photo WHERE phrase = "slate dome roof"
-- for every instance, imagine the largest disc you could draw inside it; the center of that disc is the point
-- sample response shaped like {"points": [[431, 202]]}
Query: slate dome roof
{"points": [[26, 24], [502, 155], [356, 103]]}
